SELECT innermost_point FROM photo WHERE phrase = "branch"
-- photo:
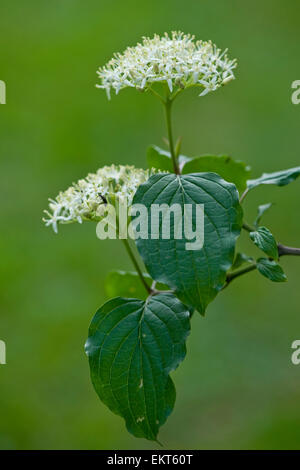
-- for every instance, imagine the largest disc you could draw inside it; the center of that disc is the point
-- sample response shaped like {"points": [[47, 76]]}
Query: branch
{"points": [[282, 251], [287, 250], [231, 276]]}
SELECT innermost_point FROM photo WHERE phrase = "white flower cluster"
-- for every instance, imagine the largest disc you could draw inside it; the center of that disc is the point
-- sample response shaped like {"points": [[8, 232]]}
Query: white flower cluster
{"points": [[83, 199], [178, 60]]}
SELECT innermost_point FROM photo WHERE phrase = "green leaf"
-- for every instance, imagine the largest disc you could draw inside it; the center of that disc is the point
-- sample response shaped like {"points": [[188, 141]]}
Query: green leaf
{"points": [[280, 178], [264, 240], [271, 270], [128, 284], [234, 171], [160, 159], [197, 275], [132, 347], [240, 259], [260, 212]]}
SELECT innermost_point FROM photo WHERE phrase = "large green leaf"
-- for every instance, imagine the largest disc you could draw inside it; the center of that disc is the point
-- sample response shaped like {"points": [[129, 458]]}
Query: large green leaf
{"points": [[264, 240], [196, 275], [271, 270], [128, 284], [132, 347], [235, 171], [280, 178]]}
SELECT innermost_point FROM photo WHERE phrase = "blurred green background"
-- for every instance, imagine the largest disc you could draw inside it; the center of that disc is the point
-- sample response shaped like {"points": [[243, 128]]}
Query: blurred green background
{"points": [[237, 388]]}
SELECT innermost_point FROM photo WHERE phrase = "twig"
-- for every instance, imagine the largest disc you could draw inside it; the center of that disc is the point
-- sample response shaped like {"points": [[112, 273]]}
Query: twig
{"points": [[287, 250], [231, 276], [283, 250]]}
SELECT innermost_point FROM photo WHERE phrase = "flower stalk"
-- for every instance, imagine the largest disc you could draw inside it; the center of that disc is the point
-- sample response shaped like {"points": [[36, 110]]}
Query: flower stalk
{"points": [[168, 107], [136, 265]]}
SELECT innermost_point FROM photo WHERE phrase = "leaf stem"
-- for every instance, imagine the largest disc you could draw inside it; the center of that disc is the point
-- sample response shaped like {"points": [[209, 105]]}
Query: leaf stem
{"points": [[248, 227], [136, 265], [244, 195], [168, 106]]}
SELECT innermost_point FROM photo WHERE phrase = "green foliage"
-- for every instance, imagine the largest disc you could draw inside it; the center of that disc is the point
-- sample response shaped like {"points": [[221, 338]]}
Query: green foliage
{"points": [[128, 284], [48, 281], [280, 178], [159, 158], [271, 270], [234, 171], [264, 240], [134, 343], [195, 275], [132, 347]]}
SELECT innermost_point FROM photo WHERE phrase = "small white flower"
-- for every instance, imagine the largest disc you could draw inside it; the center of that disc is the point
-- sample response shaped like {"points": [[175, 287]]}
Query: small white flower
{"points": [[177, 60], [209, 86], [85, 199]]}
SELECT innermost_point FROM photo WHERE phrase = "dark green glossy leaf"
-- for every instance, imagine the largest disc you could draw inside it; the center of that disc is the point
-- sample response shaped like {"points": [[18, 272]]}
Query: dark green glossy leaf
{"points": [[280, 178], [260, 212], [271, 270], [240, 259], [132, 347], [234, 171], [128, 284], [264, 240], [196, 275]]}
